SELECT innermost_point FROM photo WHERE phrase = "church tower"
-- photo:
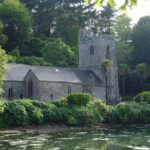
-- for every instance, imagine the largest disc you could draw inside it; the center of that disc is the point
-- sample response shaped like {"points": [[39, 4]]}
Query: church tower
{"points": [[93, 50]]}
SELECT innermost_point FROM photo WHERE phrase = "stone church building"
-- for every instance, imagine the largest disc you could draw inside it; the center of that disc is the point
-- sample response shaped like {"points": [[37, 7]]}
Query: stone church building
{"points": [[47, 83]]}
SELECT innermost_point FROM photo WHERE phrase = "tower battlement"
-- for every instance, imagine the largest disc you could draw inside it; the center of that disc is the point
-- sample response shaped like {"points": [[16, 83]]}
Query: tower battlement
{"points": [[86, 35]]}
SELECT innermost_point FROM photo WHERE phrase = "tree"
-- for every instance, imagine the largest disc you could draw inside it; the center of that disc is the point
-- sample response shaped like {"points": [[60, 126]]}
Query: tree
{"points": [[142, 69], [106, 65], [3, 38], [55, 18], [124, 50], [123, 28], [141, 41], [32, 47], [59, 54], [123, 71], [3, 70], [17, 23], [73, 36], [106, 21]]}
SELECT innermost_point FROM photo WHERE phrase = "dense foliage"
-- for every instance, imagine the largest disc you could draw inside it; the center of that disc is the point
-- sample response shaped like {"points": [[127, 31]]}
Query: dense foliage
{"points": [[143, 97], [32, 112], [17, 23], [3, 70], [79, 99]]}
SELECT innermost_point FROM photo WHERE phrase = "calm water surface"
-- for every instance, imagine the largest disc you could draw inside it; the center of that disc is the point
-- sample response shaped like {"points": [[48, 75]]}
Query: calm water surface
{"points": [[112, 138]]}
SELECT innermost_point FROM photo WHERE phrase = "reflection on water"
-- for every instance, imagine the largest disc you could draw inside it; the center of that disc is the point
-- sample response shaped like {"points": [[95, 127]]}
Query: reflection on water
{"points": [[129, 138]]}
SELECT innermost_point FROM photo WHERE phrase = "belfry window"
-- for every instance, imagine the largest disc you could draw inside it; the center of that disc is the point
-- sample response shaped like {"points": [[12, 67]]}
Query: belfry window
{"points": [[10, 94], [92, 50], [108, 52], [30, 88]]}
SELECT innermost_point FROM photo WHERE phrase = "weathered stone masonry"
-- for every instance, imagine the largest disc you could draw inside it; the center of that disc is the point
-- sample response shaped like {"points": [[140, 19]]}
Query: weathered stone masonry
{"points": [[47, 83]]}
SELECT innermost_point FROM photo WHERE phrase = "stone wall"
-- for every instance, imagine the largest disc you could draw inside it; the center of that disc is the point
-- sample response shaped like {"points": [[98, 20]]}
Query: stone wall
{"points": [[102, 46], [57, 89], [17, 88]]}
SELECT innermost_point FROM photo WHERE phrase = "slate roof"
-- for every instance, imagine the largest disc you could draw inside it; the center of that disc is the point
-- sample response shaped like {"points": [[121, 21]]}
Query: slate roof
{"points": [[17, 72]]}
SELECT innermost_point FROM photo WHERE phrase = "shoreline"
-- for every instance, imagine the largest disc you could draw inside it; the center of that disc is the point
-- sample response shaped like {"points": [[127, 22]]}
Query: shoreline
{"points": [[59, 128], [40, 129]]}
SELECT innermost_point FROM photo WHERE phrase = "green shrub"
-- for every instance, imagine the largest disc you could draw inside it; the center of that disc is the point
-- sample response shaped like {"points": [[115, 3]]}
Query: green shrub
{"points": [[145, 95], [144, 116], [82, 115], [60, 103], [79, 99], [99, 106], [35, 115], [112, 115], [15, 114], [129, 113], [2, 119], [56, 114], [41, 105], [71, 120]]}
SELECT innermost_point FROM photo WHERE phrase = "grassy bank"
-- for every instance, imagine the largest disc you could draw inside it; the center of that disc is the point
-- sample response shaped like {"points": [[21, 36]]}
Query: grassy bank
{"points": [[75, 110]]}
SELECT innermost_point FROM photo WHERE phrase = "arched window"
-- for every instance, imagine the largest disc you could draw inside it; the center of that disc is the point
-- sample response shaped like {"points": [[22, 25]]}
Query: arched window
{"points": [[10, 94], [69, 89], [30, 88], [108, 52], [92, 50]]}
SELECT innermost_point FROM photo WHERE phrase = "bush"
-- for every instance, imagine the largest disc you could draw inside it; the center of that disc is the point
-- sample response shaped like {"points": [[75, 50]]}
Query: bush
{"points": [[145, 95], [2, 119], [79, 99], [35, 115], [41, 105], [112, 115], [15, 114], [129, 113], [60, 103], [145, 111], [81, 115], [56, 114]]}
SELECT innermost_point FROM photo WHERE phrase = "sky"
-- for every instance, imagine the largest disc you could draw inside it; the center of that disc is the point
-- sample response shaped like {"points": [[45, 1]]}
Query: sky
{"points": [[142, 9]]}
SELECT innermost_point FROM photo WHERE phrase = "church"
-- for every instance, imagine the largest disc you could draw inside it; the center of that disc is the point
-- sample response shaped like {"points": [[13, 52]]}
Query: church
{"points": [[47, 83]]}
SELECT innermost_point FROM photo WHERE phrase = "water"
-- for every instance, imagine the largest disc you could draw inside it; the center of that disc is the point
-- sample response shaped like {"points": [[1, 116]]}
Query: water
{"points": [[112, 138]]}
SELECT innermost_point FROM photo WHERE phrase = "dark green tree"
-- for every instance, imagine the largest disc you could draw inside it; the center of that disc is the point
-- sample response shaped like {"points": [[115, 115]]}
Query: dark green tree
{"points": [[59, 54], [17, 23], [32, 47], [141, 41], [107, 21], [123, 72], [55, 18], [3, 38]]}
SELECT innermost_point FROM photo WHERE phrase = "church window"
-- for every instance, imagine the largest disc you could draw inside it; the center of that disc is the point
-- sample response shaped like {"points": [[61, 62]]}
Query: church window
{"points": [[92, 50], [10, 93], [108, 52], [30, 88], [69, 89]]}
